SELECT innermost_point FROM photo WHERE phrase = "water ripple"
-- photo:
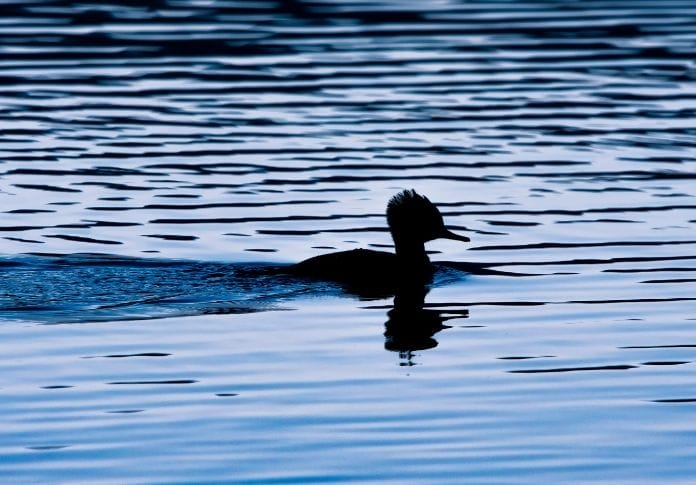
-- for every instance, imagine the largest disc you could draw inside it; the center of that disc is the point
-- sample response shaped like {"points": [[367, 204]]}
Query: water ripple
{"points": [[219, 141]]}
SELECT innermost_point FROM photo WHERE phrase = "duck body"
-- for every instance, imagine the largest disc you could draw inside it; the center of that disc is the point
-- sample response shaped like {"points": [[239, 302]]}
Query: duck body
{"points": [[364, 271], [413, 220]]}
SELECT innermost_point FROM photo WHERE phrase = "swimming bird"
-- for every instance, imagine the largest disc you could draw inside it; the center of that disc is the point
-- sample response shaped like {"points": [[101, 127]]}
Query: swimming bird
{"points": [[413, 220]]}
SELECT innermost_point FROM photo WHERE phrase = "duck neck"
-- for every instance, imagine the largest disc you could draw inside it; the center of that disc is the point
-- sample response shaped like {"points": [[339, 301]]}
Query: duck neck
{"points": [[412, 256]]}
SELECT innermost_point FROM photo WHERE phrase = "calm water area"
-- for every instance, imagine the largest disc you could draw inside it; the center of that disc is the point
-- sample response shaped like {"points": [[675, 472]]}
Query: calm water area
{"points": [[159, 161]]}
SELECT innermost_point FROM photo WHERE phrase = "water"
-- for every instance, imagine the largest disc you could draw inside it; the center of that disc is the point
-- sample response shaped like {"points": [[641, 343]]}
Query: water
{"points": [[157, 163]]}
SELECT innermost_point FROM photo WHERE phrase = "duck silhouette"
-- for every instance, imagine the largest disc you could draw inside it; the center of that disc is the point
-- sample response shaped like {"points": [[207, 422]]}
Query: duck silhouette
{"points": [[413, 220]]}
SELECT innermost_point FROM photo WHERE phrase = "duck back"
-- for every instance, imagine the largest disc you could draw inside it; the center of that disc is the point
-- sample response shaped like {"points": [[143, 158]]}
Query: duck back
{"points": [[360, 269]]}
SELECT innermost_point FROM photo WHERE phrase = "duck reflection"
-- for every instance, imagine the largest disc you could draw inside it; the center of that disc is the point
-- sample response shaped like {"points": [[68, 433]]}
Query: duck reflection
{"points": [[411, 327]]}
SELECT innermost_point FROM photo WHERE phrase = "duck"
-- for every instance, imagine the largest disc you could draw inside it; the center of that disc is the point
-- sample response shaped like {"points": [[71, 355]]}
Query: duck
{"points": [[413, 220]]}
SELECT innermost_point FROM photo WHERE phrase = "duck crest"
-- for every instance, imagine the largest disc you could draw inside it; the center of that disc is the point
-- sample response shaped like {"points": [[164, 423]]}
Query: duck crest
{"points": [[408, 203], [412, 216]]}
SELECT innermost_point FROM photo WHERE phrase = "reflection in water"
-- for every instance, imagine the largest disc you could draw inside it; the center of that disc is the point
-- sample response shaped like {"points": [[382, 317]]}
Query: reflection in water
{"points": [[411, 327]]}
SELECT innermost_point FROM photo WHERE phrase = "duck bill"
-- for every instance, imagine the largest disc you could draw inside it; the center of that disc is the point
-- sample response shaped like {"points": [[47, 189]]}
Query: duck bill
{"points": [[447, 234]]}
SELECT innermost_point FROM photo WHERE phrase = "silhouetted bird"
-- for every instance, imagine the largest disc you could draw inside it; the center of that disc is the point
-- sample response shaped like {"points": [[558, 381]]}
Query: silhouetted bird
{"points": [[413, 220]]}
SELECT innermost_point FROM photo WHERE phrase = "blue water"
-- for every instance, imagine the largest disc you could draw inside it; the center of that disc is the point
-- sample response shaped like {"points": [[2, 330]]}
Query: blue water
{"points": [[162, 164]]}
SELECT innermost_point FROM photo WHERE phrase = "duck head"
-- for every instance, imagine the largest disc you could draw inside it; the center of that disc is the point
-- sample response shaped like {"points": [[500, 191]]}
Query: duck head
{"points": [[414, 220]]}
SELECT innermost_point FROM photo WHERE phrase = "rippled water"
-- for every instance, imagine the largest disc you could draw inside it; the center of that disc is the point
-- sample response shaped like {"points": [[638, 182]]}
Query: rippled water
{"points": [[158, 164]]}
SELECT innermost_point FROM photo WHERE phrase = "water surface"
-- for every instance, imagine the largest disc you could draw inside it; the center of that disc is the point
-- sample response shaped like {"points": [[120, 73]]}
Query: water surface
{"points": [[156, 162]]}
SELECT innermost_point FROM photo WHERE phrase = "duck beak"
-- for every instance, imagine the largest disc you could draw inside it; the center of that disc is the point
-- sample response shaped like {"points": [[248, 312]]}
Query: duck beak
{"points": [[447, 234]]}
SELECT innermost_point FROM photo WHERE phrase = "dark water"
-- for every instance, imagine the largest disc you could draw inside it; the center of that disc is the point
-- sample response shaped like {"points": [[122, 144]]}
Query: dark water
{"points": [[157, 159]]}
